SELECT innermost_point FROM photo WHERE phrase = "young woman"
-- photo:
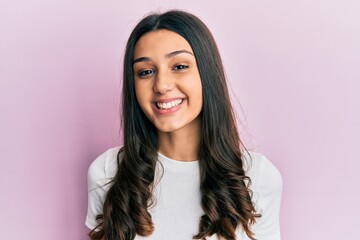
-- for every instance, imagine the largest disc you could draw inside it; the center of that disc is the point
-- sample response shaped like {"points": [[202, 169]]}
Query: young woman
{"points": [[183, 172]]}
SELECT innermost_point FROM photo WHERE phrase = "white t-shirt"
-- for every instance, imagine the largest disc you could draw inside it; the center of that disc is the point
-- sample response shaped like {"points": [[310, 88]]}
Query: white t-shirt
{"points": [[177, 210]]}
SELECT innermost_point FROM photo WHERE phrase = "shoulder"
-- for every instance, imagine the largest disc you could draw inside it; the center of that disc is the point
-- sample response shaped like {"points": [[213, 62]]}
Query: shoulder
{"points": [[104, 167], [266, 186], [265, 177], [101, 171]]}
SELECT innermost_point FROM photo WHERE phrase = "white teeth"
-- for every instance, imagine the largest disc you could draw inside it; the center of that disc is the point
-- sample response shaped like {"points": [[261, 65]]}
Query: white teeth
{"points": [[168, 105]]}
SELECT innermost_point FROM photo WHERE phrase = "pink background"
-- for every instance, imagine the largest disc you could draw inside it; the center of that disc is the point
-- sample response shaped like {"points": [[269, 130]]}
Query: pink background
{"points": [[294, 66]]}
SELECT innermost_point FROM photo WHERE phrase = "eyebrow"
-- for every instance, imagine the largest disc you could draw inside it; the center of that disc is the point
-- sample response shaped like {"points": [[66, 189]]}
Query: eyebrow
{"points": [[168, 55]]}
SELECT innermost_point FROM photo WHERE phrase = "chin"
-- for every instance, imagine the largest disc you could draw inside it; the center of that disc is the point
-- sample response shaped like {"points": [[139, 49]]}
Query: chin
{"points": [[167, 129]]}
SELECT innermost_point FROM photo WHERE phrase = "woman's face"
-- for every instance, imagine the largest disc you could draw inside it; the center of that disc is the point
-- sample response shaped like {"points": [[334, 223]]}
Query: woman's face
{"points": [[167, 81]]}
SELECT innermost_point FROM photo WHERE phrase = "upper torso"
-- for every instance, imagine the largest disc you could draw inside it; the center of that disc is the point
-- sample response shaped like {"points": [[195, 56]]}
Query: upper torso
{"points": [[177, 207]]}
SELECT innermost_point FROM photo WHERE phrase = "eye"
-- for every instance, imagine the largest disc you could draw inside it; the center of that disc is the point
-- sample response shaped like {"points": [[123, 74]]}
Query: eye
{"points": [[146, 72], [181, 67]]}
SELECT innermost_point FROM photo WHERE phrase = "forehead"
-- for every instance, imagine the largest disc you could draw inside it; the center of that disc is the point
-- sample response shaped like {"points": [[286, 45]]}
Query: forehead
{"points": [[160, 42]]}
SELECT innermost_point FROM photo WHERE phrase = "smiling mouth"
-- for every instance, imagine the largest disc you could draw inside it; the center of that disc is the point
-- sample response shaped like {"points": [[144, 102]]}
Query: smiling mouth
{"points": [[168, 105]]}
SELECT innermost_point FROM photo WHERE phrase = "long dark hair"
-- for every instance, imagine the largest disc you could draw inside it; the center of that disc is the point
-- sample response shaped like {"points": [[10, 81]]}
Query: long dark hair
{"points": [[226, 197]]}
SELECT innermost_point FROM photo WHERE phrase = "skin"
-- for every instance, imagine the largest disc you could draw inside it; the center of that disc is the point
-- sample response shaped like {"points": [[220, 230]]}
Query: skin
{"points": [[165, 70]]}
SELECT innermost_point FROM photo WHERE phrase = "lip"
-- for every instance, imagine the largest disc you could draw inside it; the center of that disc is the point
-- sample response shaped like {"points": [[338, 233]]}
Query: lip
{"points": [[170, 110], [167, 100]]}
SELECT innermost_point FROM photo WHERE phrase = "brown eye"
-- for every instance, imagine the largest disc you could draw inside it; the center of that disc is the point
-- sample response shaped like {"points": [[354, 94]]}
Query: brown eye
{"points": [[181, 67], [146, 72]]}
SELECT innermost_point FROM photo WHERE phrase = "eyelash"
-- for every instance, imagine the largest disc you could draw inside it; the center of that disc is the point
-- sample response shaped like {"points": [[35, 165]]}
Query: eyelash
{"points": [[181, 67], [147, 72]]}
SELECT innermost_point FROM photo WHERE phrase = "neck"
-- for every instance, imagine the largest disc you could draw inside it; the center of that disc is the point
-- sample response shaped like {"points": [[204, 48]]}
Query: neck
{"points": [[182, 145]]}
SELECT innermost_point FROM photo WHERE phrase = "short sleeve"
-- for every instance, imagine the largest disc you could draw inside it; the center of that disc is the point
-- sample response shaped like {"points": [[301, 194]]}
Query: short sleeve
{"points": [[267, 193], [100, 174]]}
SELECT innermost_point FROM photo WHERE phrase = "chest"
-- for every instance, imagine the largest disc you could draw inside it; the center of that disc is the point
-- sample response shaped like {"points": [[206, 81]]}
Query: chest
{"points": [[177, 209]]}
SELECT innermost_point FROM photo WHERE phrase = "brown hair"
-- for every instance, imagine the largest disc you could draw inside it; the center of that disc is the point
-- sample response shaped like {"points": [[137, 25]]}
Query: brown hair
{"points": [[226, 196]]}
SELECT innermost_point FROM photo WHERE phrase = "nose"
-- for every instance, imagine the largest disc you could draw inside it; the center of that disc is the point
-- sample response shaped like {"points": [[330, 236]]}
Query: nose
{"points": [[163, 82]]}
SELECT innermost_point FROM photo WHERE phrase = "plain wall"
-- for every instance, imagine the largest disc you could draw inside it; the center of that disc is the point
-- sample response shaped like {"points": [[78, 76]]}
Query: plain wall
{"points": [[293, 68]]}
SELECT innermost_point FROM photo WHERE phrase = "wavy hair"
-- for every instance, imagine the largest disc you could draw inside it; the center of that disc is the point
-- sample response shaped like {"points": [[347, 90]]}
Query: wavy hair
{"points": [[226, 196]]}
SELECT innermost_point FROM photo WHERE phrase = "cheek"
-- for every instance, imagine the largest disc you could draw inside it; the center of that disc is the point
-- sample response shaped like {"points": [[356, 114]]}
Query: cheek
{"points": [[199, 94], [143, 101], [194, 92], [140, 92], [195, 88]]}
